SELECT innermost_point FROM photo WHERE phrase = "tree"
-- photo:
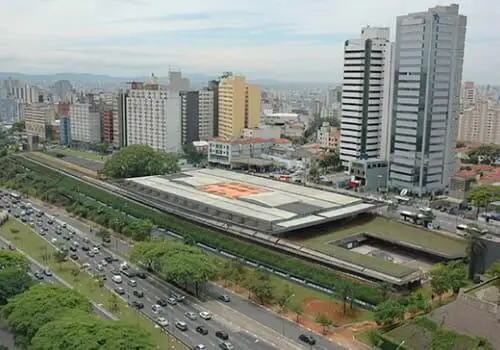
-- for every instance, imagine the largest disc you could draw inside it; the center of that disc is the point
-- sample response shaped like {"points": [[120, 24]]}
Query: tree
{"points": [[139, 160], [193, 156], [346, 294], [14, 278], [26, 313], [324, 321], [226, 271], [60, 257], [475, 249], [283, 299], [77, 330], [331, 160], [297, 308], [180, 263], [385, 289], [139, 229], [439, 280], [75, 272], [494, 271], [388, 312], [114, 303], [239, 272], [13, 259], [259, 284], [482, 196]]}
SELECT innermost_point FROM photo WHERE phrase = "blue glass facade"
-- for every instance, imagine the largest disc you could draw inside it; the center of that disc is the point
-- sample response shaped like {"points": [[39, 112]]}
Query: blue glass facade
{"points": [[8, 110], [65, 131]]}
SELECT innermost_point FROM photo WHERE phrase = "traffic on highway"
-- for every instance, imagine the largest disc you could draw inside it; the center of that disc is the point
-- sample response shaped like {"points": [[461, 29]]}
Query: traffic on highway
{"points": [[169, 310]]}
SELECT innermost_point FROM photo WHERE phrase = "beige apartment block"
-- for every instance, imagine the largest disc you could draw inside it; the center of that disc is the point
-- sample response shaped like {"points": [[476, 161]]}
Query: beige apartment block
{"points": [[239, 106], [36, 116], [480, 123]]}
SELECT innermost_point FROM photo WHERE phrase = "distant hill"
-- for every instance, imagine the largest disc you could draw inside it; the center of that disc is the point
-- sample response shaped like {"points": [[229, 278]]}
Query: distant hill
{"points": [[195, 78]]}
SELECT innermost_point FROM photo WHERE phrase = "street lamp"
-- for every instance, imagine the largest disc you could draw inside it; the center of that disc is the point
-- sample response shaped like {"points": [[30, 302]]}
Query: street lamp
{"points": [[400, 345]]}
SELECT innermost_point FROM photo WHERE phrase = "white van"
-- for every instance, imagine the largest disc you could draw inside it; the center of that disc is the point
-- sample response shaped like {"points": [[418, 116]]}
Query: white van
{"points": [[117, 279]]}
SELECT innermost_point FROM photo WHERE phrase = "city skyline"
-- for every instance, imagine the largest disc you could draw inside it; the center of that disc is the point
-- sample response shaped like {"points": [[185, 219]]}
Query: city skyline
{"points": [[294, 40]]}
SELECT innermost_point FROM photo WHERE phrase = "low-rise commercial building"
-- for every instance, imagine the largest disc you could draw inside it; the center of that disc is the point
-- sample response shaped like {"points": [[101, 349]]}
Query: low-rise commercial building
{"points": [[329, 136]]}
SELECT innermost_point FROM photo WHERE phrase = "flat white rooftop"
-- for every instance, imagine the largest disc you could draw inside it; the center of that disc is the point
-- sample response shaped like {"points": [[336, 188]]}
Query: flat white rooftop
{"points": [[285, 205]]}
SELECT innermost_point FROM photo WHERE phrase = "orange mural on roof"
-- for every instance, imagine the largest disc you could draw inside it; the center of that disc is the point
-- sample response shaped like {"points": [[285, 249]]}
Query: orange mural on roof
{"points": [[232, 190]]}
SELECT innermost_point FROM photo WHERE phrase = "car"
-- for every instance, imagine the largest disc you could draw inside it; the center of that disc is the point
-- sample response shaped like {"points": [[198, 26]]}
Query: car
{"points": [[308, 339], [117, 279], [123, 265], [162, 321], [115, 271], [119, 290], [205, 315], [73, 248], [132, 283], [179, 297], [90, 253], [156, 308], [100, 267], [86, 239], [190, 315], [200, 347], [43, 233], [139, 293], [64, 249], [50, 221], [85, 248], [172, 301], [45, 229], [109, 259], [74, 256], [181, 325], [225, 298], [95, 250], [39, 275], [106, 239], [53, 240], [226, 346], [67, 238], [138, 305], [202, 330], [162, 302], [222, 335], [85, 266], [47, 272], [141, 275]]}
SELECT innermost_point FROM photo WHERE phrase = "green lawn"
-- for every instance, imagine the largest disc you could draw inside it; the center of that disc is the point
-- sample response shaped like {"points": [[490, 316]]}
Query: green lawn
{"points": [[39, 249], [60, 162], [387, 229], [82, 154]]}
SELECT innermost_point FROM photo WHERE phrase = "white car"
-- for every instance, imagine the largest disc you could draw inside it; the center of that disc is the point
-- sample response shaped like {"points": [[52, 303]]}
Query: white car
{"points": [[162, 321], [190, 315], [95, 250], [205, 315], [104, 262], [54, 240], [156, 308], [117, 279]]}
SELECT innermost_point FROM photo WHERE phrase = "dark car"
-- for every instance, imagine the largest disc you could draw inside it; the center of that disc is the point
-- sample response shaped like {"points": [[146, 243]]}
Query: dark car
{"points": [[225, 298], [139, 293], [222, 335], [74, 256], [308, 339], [73, 248], [39, 275], [202, 330], [138, 305], [141, 275], [85, 248], [162, 302], [109, 259]]}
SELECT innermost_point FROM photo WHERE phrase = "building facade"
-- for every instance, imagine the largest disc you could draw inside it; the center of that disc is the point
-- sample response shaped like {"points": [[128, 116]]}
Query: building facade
{"points": [[329, 137], [480, 122], [85, 123], [366, 62], [107, 126], [239, 106], [65, 131], [197, 110], [468, 93], [428, 64], [153, 117], [37, 116], [9, 110]]}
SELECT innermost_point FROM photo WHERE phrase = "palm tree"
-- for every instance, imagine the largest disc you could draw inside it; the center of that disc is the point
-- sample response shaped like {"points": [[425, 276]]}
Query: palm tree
{"points": [[475, 250]]}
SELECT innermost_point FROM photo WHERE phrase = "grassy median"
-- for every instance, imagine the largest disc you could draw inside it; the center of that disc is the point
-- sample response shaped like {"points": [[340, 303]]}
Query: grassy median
{"points": [[23, 237]]}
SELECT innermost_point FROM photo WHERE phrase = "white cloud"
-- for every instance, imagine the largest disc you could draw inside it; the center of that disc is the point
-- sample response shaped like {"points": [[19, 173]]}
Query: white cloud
{"points": [[58, 35]]}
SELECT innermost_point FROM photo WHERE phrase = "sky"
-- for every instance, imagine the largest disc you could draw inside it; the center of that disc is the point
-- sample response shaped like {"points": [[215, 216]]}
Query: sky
{"points": [[290, 40]]}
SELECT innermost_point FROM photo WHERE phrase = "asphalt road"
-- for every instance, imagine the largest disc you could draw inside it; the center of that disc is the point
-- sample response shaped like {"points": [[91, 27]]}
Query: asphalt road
{"points": [[260, 331]]}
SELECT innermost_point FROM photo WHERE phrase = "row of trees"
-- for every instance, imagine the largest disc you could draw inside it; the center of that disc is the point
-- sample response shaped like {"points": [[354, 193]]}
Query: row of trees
{"points": [[482, 196], [139, 160], [52, 317], [484, 154], [180, 263], [35, 180]]}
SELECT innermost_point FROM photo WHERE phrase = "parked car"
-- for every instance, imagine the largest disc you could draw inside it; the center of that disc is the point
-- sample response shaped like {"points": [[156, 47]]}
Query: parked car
{"points": [[308, 339], [222, 335]]}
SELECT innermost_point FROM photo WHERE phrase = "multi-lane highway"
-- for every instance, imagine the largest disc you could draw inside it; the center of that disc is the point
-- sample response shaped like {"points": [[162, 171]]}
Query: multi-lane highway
{"points": [[247, 325]]}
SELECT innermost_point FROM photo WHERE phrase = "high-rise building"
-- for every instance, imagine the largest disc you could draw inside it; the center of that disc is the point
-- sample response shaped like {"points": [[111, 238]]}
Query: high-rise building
{"points": [[63, 90], [153, 117], [480, 122], [9, 110], [177, 82], [120, 119], [468, 93], [239, 106], [65, 131], [367, 78], [37, 117], [213, 85], [85, 123], [428, 62], [197, 115]]}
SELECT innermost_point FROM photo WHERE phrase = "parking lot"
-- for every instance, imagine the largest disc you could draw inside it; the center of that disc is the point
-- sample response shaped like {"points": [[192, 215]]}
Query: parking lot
{"points": [[171, 311]]}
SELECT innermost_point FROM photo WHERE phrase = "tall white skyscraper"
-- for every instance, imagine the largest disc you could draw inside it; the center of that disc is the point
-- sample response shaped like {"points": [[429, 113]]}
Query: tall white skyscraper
{"points": [[428, 64], [367, 63]]}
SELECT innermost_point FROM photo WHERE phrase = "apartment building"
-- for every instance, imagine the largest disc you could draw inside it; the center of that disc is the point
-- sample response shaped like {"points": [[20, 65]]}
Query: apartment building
{"points": [[85, 123], [197, 110], [329, 137], [364, 112], [480, 122], [429, 61], [468, 93], [239, 106], [153, 117], [9, 110], [37, 116]]}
